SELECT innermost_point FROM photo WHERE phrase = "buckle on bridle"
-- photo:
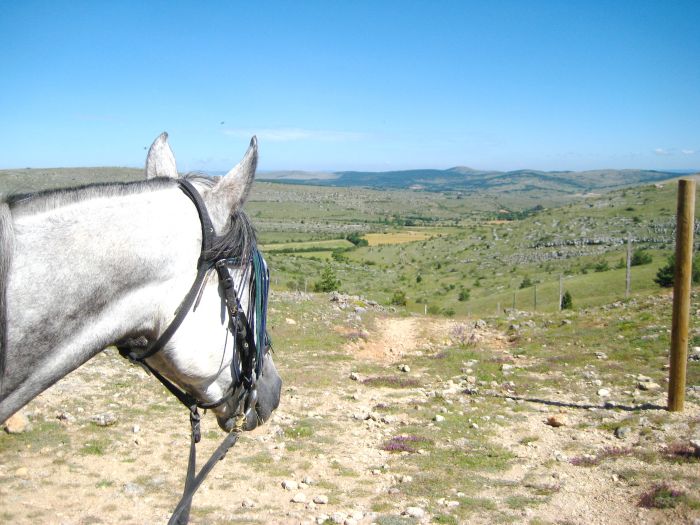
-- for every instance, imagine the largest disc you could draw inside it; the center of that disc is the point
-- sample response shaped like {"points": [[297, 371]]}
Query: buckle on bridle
{"points": [[224, 275]]}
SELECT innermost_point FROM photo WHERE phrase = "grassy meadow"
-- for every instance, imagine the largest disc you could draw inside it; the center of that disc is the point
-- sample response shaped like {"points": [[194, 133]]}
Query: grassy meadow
{"points": [[459, 256]]}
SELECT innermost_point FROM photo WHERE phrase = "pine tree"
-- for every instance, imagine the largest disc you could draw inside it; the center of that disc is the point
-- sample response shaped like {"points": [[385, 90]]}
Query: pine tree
{"points": [[566, 301], [328, 282], [664, 277]]}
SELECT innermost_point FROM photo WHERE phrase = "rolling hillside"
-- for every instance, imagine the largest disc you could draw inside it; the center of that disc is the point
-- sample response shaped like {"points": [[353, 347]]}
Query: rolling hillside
{"points": [[469, 180]]}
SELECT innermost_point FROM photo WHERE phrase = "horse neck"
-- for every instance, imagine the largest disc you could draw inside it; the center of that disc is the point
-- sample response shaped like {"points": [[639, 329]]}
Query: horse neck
{"points": [[88, 274]]}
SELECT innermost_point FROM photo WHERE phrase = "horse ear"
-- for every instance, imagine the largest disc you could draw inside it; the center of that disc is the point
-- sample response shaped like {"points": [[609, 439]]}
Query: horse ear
{"points": [[161, 161], [233, 189]]}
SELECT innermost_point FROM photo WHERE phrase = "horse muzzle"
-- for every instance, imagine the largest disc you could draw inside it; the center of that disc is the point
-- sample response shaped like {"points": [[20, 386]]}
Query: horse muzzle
{"points": [[268, 388]]}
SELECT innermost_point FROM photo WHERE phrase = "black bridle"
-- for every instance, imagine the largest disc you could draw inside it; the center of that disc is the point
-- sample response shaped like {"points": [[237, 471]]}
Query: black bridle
{"points": [[246, 364]]}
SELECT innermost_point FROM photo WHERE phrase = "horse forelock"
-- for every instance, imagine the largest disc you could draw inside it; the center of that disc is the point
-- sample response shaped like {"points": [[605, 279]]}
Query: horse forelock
{"points": [[239, 239]]}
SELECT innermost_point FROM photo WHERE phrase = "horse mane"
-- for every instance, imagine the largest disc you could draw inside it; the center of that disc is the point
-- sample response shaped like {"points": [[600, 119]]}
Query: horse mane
{"points": [[6, 248], [238, 240], [45, 200]]}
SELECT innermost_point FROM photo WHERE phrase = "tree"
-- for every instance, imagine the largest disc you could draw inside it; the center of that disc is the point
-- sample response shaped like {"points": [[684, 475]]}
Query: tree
{"points": [[357, 239], [566, 301], [640, 257], [664, 277], [601, 266], [526, 283], [399, 298], [328, 282]]}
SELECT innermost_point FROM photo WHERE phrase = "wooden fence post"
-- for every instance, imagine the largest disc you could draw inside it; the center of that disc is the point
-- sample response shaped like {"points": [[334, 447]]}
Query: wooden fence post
{"points": [[628, 265], [535, 298], [561, 290], [685, 216]]}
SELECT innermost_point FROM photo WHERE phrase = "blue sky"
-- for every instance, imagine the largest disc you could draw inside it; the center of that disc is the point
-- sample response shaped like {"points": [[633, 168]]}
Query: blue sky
{"points": [[333, 85]]}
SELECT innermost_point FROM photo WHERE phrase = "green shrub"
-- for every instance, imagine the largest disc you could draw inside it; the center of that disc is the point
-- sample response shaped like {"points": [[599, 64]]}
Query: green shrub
{"points": [[399, 298], [640, 257], [566, 301], [601, 266], [357, 239], [664, 277], [328, 282]]}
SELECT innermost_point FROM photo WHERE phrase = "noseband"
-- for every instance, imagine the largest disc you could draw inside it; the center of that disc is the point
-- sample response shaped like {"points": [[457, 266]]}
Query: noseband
{"points": [[248, 331]]}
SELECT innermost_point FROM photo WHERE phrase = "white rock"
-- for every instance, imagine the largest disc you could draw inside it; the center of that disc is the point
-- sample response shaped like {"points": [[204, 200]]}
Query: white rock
{"points": [[290, 321], [247, 504], [17, 423], [648, 385], [104, 420], [290, 484], [438, 418], [321, 499], [308, 480], [695, 443], [414, 512], [66, 416], [299, 497], [604, 392]]}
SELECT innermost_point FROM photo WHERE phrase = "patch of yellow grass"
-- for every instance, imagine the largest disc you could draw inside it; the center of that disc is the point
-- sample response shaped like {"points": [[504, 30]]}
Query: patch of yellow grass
{"points": [[376, 239]]}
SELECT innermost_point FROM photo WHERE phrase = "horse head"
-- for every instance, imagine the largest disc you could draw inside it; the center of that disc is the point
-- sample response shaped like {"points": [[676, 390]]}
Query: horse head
{"points": [[200, 354]]}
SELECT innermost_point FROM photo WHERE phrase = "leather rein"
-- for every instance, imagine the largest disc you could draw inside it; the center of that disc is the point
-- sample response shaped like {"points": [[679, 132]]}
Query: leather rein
{"points": [[248, 354]]}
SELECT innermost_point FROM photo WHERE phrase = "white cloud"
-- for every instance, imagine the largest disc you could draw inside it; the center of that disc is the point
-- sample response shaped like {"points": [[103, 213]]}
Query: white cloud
{"points": [[688, 151], [662, 151], [294, 134]]}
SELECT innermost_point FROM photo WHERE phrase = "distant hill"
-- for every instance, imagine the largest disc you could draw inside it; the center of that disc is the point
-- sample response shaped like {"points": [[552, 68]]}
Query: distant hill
{"points": [[466, 179], [518, 189]]}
